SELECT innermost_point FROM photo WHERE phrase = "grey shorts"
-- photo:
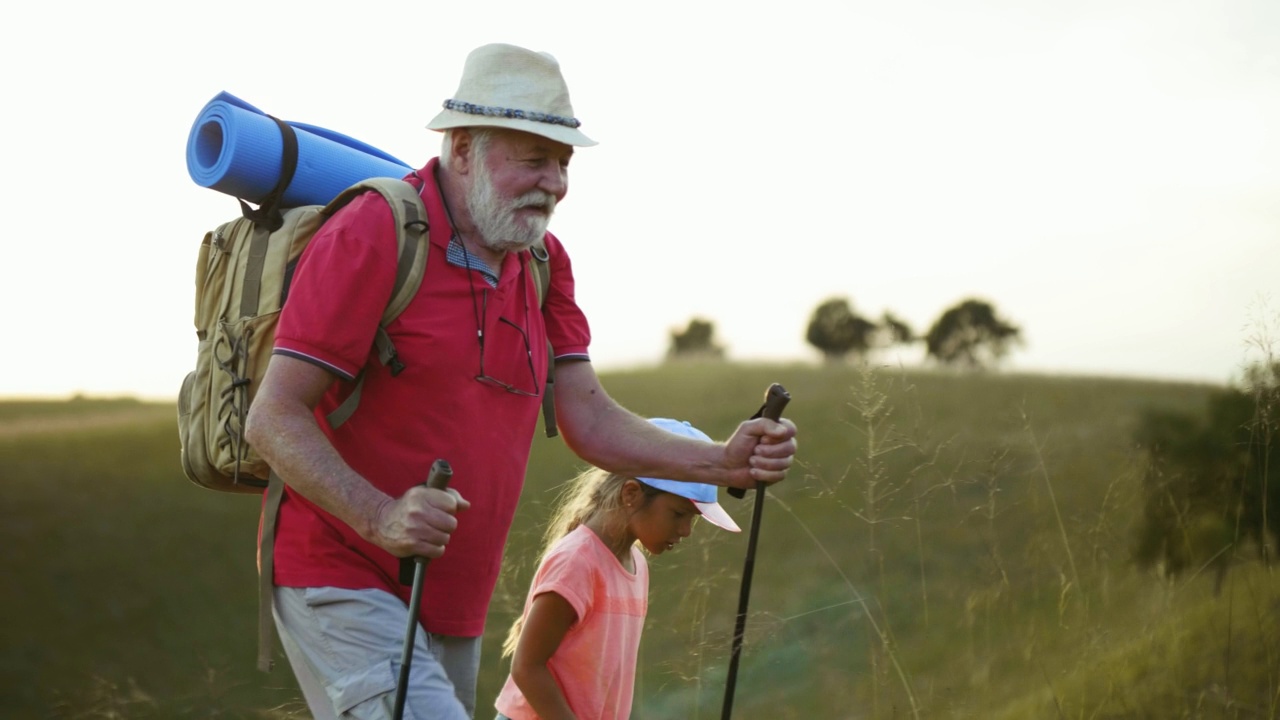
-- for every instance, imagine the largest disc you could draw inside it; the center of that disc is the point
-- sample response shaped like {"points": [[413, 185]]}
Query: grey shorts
{"points": [[345, 648]]}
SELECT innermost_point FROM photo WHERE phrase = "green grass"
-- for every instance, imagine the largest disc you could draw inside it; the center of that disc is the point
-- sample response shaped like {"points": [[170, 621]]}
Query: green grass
{"points": [[950, 546], [20, 410]]}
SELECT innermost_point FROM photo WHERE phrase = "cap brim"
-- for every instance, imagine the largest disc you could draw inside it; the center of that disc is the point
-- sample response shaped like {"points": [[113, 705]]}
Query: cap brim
{"points": [[716, 515]]}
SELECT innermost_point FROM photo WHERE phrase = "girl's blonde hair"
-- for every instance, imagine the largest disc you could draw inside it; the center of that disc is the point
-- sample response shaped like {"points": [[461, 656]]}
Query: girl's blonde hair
{"points": [[592, 491]]}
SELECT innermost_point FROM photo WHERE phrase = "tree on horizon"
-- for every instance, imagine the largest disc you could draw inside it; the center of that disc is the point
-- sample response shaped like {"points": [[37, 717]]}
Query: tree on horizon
{"points": [[970, 334], [696, 341], [837, 331]]}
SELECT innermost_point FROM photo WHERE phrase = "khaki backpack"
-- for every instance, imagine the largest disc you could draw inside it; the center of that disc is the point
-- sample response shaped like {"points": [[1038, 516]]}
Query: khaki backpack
{"points": [[242, 279]]}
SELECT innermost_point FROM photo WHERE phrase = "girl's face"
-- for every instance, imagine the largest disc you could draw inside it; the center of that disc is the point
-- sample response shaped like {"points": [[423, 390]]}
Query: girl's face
{"points": [[661, 522]]}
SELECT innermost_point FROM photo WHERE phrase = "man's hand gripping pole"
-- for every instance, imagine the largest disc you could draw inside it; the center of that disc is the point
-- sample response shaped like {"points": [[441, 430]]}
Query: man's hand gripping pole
{"points": [[775, 400]]}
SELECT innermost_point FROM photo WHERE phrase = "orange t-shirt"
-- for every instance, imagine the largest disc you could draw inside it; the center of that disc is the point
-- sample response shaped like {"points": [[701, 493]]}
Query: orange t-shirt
{"points": [[595, 664]]}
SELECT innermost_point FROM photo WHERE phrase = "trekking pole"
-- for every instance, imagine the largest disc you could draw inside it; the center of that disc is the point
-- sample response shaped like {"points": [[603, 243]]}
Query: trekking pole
{"points": [[775, 399], [412, 570]]}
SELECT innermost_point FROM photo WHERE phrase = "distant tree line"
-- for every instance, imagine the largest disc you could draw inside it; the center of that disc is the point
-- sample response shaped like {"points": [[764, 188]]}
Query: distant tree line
{"points": [[968, 335]]}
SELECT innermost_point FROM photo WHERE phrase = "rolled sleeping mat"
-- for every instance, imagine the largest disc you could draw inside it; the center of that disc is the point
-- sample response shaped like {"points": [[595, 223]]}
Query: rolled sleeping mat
{"points": [[235, 148]]}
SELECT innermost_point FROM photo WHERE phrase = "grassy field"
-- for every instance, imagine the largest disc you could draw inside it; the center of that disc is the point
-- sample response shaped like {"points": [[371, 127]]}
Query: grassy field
{"points": [[951, 546]]}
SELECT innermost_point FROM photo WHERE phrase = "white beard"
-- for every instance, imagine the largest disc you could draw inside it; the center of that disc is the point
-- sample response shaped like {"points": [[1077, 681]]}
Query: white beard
{"points": [[495, 218]]}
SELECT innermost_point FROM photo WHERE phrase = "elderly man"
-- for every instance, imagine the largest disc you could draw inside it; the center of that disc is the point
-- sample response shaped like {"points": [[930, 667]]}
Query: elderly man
{"points": [[473, 344]]}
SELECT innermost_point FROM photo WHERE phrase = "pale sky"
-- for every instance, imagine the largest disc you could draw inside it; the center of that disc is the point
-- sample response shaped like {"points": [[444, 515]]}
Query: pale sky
{"points": [[1106, 173]]}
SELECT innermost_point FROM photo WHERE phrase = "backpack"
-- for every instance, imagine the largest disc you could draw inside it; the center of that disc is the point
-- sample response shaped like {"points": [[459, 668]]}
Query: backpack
{"points": [[243, 271], [242, 277]]}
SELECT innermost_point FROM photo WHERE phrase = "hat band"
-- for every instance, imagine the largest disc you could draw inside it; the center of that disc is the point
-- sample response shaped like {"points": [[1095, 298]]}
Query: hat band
{"points": [[491, 111]]}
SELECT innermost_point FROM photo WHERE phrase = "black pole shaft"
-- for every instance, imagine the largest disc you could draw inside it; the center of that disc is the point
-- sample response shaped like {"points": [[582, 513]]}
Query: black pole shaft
{"points": [[744, 594], [441, 472], [775, 399]]}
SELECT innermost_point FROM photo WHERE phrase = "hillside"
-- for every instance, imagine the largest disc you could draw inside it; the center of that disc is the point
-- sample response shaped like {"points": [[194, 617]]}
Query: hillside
{"points": [[951, 546]]}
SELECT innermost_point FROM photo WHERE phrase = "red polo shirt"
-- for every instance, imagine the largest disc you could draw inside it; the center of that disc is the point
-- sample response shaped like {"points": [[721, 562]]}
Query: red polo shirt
{"points": [[434, 409]]}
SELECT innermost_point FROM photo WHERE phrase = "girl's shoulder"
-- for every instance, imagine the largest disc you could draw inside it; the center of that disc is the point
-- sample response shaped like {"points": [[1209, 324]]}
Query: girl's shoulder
{"points": [[578, 546], [572, 569], [578, 537]]}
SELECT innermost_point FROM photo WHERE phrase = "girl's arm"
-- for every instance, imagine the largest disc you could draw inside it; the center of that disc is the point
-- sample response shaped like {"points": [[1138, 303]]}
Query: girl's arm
{"points": [[550, 617]]}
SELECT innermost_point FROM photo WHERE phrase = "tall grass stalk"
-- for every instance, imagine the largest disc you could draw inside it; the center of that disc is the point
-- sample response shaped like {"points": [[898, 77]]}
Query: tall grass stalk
{"points": [[1264, 385], [701, 593], [882, 635], [880, 488], [1037, 449], [985, 599], [1263, 382], [1100, 535]]}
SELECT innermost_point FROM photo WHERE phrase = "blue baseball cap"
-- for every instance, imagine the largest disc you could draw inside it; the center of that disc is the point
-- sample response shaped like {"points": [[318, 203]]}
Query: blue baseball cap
{"points": [[702, 495]]}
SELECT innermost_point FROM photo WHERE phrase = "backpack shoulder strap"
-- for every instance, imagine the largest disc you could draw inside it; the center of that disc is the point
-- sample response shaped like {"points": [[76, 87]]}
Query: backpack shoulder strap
{"points": [[412, 245], [266, 572], [412, 234], [541, 269], [412, 240]]}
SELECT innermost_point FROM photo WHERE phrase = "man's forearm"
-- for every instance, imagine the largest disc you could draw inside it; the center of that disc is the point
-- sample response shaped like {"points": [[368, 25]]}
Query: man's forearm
{"points": [[302, 456], [609, 436]]}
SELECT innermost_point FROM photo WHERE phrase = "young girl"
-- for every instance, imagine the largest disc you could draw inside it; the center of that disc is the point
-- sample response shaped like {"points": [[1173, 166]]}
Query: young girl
{"points": [[574, 647]]}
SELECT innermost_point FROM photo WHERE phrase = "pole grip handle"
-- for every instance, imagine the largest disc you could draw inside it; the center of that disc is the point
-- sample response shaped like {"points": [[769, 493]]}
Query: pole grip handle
{"points": [[438, 478], [775, 400]]}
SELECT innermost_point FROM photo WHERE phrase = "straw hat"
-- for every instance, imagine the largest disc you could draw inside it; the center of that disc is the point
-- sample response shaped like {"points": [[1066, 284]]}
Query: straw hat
{"points": [[510, 87]]}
